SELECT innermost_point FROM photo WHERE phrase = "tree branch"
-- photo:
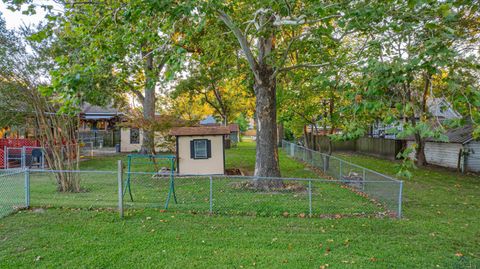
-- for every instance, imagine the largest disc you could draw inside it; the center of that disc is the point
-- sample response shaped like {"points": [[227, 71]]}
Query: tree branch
{"points": [[301, 20], [242, 40], [135, 91], [304, 65]]}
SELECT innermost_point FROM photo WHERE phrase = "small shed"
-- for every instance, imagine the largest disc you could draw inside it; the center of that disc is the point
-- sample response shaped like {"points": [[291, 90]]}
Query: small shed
{"points": [[131, 140], [200, 150], [234, 133], [461, 151]]}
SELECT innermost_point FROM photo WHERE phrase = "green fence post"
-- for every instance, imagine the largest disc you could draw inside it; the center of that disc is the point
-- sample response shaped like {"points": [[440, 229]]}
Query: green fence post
{"points": [[211, 195], [400, 200], [120, 187]]}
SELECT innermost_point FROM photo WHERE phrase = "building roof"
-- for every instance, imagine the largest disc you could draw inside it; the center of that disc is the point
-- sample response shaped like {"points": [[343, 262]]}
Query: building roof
{"points": [[461, 135], [250, 132], [441, 108], [204, 130], [92, 109], [210, 120], [234, 127]]}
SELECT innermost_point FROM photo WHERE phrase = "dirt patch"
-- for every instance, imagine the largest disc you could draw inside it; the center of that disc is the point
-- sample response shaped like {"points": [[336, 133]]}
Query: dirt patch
{"points": [[286, 187], [233, 172]]}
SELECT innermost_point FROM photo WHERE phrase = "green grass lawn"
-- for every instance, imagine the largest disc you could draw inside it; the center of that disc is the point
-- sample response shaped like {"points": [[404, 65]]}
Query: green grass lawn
{"points": [[441, 227], [99, 190]]}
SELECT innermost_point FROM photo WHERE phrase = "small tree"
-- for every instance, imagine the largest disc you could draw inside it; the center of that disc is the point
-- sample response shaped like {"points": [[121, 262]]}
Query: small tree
{"points": [[56, 130]]}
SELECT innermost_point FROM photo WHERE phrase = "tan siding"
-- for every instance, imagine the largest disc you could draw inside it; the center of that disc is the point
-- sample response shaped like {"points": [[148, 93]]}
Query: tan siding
{"points": [[213, 165], [125, 145]]}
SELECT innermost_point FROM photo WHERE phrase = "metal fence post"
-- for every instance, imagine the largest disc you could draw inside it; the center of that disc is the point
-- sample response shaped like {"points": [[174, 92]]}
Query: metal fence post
{"points": [[211, 195], [27, 188], [120, 187], [363, 179], [400, 191], [44, 153], [23, 158], [324, 157], [4, 157], [340, 177], [310, 197]]}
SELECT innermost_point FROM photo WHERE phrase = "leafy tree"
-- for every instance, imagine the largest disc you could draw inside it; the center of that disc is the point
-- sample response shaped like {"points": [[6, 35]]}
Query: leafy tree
{"points": [[414, 44], [274, 31], [242, 122], [216, 73], [13, 104], [107, 49]]}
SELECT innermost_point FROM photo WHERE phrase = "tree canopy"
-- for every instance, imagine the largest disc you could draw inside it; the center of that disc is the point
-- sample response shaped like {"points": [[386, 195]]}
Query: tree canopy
{"points": [[318, 64]]}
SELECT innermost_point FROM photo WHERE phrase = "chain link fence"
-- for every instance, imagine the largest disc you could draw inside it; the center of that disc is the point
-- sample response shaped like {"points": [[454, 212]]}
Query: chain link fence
{"points": [[378, 187], [353, 192], [253, 196], [13, 192]]}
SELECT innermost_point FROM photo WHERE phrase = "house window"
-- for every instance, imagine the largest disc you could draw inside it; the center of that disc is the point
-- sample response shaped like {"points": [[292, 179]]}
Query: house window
{"points": [[200, 149], [134, 136]]}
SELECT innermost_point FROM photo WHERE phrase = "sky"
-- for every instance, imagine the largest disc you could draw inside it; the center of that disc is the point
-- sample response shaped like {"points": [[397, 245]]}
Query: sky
{"points": [[15, 20]]}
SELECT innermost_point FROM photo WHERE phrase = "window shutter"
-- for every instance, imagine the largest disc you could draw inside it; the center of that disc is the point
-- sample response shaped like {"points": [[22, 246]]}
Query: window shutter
{"points": [[192, 150], [209, 149]]}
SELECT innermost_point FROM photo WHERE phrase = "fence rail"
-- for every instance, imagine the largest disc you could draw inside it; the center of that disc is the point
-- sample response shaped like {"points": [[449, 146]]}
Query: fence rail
{"points": [[356, 176]]}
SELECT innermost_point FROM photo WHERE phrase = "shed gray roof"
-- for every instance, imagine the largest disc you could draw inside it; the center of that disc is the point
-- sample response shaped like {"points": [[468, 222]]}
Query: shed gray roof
{"points": [[461, 135], [92, 109]]}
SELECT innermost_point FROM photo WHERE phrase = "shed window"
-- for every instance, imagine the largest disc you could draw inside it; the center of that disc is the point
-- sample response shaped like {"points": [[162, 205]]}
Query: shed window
{"points": [[200, 149], [134, 136]]}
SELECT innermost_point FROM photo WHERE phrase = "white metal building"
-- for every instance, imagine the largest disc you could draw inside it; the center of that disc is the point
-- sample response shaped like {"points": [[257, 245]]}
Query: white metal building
{"points": [[460, 152]]}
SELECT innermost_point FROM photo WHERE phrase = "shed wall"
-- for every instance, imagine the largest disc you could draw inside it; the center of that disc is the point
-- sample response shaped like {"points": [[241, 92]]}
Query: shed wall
{"points": [[212, 165], [126, 146], [472, 160], [441, 154]]}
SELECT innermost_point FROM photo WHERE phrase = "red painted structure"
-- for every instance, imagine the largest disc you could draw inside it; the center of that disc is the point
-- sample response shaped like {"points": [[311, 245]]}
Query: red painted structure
{"points": [[14, 143]]}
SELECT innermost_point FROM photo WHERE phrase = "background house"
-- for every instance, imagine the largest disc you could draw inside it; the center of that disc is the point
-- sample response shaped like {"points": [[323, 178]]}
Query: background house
{"points": [[132, 133], [234, 133], [439, 109], [209, 121], [98, 125]]}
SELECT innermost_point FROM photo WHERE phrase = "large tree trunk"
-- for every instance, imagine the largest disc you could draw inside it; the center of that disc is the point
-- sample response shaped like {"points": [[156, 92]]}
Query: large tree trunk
{"points": [[306, 140], [148, 146], [266, 163], [148, 143], [421, 160]]}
